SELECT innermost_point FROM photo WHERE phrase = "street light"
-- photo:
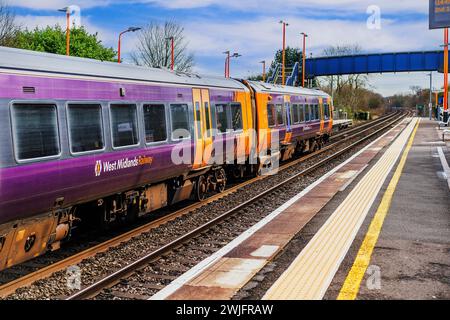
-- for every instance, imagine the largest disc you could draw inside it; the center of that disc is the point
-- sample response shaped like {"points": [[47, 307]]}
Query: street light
{"points": [[172, 50], [303, 58], [227, 61], [235, 55], [264, 70], [67, 11], [285, 24], [130, 29]]}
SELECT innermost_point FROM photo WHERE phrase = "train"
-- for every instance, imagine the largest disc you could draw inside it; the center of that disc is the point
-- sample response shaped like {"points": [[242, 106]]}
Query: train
{"points": [[83, 139]]}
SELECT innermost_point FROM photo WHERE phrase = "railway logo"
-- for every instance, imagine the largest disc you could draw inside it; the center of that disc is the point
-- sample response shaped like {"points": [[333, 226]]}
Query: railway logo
{"points": [[98, 168], [110, 166]]}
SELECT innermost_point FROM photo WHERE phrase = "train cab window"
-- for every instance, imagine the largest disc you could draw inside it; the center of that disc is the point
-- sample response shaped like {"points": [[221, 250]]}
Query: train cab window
{"points": [[85, 127], [155, 123], [236, 116], [326, 111], [35, 131], [294, 113], [280, 119], [271, 115], [301, 113], [307, 113], [222, 117], [179, 114], [124, 126]]}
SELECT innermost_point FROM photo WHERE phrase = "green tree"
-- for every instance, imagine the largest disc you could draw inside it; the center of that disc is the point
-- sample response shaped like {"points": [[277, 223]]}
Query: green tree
{"points": [[292, 55], [53, 40]]}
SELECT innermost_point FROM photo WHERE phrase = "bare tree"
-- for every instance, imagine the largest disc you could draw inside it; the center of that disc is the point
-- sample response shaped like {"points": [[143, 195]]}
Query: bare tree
{"points": [[154, 47], [8, 27]]}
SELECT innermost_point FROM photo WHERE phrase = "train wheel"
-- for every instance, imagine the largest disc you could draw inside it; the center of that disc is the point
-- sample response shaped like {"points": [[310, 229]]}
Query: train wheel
{"points": [[221, 178], [201, 188]]}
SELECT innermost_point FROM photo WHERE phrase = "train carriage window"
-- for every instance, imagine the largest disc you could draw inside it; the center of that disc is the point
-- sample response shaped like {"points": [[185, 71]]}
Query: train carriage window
{"points": [[222, 117], [326, 111], [316, 112], [155, 123], [124, 125], [307, 113], [207, 119], [301, 113], [280, 119], [236, 116], [35, 130], [179, 114], [294, 113], [85, 127], [271, 115]]}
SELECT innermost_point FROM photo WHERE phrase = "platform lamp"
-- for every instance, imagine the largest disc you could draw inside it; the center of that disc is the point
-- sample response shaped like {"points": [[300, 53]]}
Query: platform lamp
{"points": [[235, 55], [264, 70], [130, 29], [303, 58], [283, 76], [227, 61], [67, 11]]}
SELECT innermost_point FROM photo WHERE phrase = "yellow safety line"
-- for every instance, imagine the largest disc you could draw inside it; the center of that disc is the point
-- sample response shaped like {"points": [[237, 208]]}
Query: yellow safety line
{"points": [[351, 285], [312, 271]]}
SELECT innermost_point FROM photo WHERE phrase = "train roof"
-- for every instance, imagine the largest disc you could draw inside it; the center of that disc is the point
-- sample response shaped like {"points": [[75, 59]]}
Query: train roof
{"points": [[260, 86], [32, 61]]}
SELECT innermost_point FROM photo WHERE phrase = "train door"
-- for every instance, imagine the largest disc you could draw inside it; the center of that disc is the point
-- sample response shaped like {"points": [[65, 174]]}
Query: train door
{"points": [[202, 127], [287, 108], [321, 115]]}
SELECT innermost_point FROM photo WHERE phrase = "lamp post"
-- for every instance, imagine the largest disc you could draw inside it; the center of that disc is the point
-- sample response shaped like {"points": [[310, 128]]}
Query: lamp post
{"points": [[430, 104], [235, 55], [227, 61], [130, 29], [67, 11], [264, 70], [445, 106], [285, 24], [172, 52], [303, 58]]}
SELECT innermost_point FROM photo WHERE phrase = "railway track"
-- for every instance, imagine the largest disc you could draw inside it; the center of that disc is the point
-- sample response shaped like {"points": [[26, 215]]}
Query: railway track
{"points": [[204, 245]]}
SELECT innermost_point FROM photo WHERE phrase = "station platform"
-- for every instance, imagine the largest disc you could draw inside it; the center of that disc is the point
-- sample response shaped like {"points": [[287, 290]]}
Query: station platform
{"points": [[375, 227], [342, 123]]}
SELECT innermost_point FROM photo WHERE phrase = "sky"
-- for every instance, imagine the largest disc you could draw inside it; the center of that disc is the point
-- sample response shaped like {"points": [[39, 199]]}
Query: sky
{"points": [[251, 27]]}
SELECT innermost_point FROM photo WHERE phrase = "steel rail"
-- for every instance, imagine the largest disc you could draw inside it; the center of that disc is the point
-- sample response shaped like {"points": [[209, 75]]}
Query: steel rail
{"points": [[114, 278], [12, 286]]}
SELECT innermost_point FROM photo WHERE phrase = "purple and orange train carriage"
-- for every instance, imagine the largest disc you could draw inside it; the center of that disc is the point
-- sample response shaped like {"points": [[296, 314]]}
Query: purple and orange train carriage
{"points": [[87, 139]]}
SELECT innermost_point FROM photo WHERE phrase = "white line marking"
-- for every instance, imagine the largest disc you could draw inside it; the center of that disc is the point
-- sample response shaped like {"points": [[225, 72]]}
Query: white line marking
{"points": [[444, 164], [203, 265]]}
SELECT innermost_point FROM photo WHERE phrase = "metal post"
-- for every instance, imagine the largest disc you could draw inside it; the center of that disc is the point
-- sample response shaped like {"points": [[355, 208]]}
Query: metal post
{"points": [[445, 106], [284, 55], [227, 64], [119, 47], [304, 58], [172, 63], [264, 70], [130, 29], [283, 75], [430, 104], [68, 33]]}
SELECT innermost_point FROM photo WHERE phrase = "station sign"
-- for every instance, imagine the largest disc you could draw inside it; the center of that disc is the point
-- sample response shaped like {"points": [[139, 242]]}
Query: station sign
{"points": [[439, 14]]}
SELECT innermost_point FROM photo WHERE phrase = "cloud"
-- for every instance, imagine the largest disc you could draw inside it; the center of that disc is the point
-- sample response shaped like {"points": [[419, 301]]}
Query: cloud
{"points": [[58, 4], [270, 6]]}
